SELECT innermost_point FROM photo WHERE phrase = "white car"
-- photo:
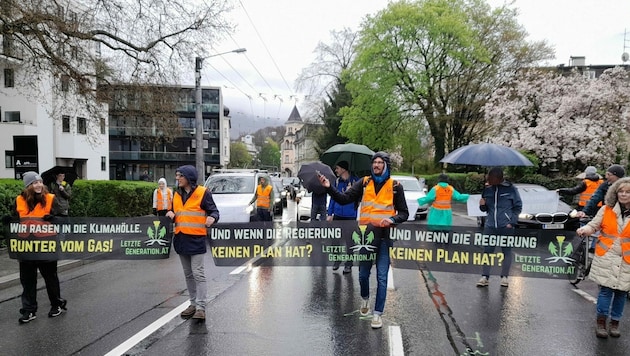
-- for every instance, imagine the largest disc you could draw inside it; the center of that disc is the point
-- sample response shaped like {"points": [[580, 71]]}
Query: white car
{"points": [[232, 190], [413, 190], [304, 206]]}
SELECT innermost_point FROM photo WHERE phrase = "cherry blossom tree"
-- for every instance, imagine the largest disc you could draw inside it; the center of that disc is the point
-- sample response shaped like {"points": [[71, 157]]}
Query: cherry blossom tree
{"points": [[566, 120]]}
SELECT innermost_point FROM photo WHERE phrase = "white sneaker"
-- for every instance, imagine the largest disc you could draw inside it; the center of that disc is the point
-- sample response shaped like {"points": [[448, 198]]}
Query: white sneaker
{"points": [[483, 282], [504, 282], [365, 309], [377, 321]]}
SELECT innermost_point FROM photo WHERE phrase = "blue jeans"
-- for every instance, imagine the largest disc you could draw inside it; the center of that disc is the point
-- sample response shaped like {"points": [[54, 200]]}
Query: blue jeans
{"points": [[608, 296], [382, 267]]}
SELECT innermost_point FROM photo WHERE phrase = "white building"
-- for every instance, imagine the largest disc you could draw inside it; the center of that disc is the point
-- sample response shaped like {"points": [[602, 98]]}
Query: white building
{"points": [[43, 124]]}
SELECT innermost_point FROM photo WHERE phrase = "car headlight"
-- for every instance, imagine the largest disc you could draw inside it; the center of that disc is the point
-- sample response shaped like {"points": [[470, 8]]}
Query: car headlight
{"points": [[525, 216], [283, 193]]}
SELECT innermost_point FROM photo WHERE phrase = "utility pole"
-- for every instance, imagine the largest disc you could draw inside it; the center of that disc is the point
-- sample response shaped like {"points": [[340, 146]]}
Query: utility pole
{"points": [[199, 144]]}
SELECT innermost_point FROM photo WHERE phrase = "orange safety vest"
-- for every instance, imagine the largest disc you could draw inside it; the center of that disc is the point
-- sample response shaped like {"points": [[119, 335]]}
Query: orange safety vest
{"points": [[608, 234], [375, 207], [164, 201], [35, 216], [591, 187], [443, 196], [190, 219], [263, 196]]}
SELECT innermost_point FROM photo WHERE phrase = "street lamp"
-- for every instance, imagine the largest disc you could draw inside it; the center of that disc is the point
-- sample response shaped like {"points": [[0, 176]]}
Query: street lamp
{"points": [[199, 151]]}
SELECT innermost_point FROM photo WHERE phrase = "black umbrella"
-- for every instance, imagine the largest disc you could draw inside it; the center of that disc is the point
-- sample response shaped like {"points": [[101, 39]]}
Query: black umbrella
{"points": [[308, 176], [51, 175], [486, 154]]}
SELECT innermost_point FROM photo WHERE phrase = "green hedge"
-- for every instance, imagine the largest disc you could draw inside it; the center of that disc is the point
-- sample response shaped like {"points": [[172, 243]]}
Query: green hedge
{"points": [[93, 198]]}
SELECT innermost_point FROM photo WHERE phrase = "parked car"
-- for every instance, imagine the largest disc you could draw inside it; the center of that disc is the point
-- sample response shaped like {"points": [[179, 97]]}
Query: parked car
{"points": [[280, 195], [542, 209], [304, 205], [413, 190], [232, 190]]}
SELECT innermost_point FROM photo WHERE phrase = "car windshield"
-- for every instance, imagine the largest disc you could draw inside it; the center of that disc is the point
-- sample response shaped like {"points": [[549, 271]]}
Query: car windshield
{"points": [[410, 185], [230, 185]]}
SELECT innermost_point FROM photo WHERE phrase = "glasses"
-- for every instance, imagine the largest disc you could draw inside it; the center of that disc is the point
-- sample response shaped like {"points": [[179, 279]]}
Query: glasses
{"points": [[378, 162], [177, 175]]}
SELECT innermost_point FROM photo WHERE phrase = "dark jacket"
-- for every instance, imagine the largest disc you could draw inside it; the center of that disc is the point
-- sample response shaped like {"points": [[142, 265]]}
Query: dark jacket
{"points": [[185, 244], [503, 205], [355, 194]]}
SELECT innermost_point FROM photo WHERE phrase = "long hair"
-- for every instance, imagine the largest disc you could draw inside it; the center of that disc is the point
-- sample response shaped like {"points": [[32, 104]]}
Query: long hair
{"points": [[32, 198]]}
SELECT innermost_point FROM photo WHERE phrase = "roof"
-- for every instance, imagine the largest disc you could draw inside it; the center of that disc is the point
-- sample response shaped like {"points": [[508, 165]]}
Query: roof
{"points": [[295, 115]]}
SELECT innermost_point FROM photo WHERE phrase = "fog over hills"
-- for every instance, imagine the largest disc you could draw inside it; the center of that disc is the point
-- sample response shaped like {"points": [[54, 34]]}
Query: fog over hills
{"points": [[243, 123]]}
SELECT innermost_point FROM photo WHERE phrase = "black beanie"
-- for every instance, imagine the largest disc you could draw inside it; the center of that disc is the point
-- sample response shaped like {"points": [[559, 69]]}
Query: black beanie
{"points": [[617, 170]]}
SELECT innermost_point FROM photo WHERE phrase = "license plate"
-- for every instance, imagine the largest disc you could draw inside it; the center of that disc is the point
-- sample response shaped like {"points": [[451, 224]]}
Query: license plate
{"points": [[553, 226]]}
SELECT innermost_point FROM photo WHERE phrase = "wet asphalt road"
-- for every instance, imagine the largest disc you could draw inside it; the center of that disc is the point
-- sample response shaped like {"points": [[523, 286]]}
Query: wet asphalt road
{"points": [[305, 310]]}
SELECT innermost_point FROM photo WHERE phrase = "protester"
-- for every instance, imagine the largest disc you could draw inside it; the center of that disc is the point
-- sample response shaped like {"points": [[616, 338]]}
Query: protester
{"points": [[383, 205], [62, 191], [338, 211], [262, 198], [585, 188], [193, 211], [613, 173], [610, 268], [502, 204], [162, 198], [440, 197], [145, 176], [34, 205]]}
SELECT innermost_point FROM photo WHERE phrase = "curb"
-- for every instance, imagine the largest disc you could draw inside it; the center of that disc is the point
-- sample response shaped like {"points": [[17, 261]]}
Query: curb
{"points": [[14, 278]]}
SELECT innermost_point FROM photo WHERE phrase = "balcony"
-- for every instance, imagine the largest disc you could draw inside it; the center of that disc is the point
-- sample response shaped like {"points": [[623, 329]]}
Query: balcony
{"points": [[130, 156]]}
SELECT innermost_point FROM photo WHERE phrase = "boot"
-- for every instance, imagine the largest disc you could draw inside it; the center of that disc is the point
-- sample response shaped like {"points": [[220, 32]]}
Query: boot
{"points": [[614, 328], [601, 327]]}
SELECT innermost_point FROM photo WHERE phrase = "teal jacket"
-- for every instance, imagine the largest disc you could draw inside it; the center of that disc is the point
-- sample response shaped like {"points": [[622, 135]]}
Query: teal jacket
{"points": [[441, 217]]}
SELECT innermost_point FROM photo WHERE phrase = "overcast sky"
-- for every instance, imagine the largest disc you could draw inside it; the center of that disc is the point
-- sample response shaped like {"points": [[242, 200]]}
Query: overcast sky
{"points": [[280, 36]]}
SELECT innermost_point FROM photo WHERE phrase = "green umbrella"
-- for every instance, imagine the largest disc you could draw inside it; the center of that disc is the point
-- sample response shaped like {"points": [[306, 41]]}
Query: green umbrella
{"points": [[359, 157]]}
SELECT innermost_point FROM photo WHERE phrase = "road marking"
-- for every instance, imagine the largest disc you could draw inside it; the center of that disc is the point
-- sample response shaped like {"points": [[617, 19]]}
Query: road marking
{"points": [[390, 279], [144, 333], [395, 341], [586, 296], [240, 269]]}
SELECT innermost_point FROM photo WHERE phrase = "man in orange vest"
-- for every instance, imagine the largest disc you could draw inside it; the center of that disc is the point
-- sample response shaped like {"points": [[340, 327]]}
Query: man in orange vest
{"points": [[383, 205], [34, 205], [262, 198], [586, 188], [193, 212], [440, 197]]}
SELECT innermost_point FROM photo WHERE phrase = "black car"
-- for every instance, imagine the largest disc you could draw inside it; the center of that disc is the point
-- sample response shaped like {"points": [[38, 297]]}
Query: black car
{"points": [[280, 195], [537, 210], [292, 186]]}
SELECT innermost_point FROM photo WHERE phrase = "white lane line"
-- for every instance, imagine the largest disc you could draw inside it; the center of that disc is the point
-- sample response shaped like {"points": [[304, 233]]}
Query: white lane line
{"points": [[142, 334], [395, 341], [586, 296], [240, 269]]}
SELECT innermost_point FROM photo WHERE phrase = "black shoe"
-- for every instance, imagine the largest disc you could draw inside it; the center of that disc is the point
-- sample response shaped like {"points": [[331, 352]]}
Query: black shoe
{"points": [[54, 311], [347, 269], [26, 317], [63, 304], [336, 266]]}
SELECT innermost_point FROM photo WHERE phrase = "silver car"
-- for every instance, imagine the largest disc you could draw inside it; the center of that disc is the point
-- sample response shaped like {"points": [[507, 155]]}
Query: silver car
{"points": [[413, 190]]}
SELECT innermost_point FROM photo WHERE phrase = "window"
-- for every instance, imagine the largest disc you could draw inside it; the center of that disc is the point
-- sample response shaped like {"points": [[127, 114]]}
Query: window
{"points": [[103, 163], [81, 125], [12, 116], [102, 121], [65, 83], [9, 159], [65, 123], [7, 45], [9, 80]]}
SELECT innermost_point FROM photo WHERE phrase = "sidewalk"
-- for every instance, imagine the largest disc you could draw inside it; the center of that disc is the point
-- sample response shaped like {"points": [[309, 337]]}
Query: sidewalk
{"points": [[10, 268]]}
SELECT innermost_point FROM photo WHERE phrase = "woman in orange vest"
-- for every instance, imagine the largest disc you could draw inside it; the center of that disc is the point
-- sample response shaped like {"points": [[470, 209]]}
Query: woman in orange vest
{"points": [[611, 265], [440, 198], [34, 205], [162, 198], [586, 188]]}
